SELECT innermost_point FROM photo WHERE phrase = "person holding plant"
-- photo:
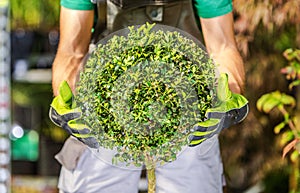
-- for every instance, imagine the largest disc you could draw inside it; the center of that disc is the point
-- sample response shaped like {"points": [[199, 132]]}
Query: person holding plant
{"points": [[197, 169]]}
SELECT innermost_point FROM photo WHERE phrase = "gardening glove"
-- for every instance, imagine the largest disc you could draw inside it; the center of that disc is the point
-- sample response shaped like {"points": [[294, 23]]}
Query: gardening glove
{"points": [[231, 109], [64, 113]]}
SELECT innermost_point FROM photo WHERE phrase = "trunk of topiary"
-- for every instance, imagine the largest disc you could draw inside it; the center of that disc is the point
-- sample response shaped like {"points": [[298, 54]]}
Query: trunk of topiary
{"points": [[150, 168], [151, 180]]}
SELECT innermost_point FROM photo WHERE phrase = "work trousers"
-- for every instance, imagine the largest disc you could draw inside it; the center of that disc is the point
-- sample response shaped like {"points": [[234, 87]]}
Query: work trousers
{"points": [[196, 170]]}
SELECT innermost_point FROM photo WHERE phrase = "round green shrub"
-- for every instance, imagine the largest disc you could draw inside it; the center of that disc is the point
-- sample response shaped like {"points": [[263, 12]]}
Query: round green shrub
{"points": [[143, 88]]}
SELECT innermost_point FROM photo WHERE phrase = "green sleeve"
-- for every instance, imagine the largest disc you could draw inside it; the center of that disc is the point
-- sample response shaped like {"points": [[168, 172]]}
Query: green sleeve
{"points": [[77, 4], [212, 8]]}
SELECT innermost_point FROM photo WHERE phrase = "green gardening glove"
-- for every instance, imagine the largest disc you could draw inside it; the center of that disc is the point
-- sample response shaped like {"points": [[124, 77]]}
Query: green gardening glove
{"points": [[64, 113], [231, 109]]}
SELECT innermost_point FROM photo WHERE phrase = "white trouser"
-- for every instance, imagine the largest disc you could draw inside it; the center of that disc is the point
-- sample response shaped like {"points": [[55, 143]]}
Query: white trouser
{"points": [[196, 170]]}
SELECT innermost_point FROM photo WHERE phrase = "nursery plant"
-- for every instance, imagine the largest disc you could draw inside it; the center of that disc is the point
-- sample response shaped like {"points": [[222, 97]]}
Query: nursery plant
{"points": [[144, 88], [289, 107], [141, 92]]}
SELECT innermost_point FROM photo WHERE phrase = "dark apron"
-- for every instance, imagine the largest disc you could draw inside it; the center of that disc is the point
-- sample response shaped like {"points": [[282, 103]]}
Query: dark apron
{"points": [[114, 15]]}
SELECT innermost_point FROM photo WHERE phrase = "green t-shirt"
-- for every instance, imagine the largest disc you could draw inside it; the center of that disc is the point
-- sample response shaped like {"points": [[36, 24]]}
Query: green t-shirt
{"points": [[212, 8], [204, 8], [77, 4]]}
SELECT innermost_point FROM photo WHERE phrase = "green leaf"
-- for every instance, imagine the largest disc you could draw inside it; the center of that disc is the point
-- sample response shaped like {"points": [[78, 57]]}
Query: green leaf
{"points": [[269, 101], [279, 127], [294, 156], [287, 100], [294, 83], [286, 137], [289, 54]]}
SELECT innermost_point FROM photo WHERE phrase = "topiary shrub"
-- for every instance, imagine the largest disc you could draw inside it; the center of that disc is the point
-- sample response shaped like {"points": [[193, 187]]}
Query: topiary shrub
{"points": [[141, 91]]}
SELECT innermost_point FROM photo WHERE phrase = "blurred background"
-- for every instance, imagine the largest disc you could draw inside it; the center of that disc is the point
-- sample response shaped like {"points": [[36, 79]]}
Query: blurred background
{"points": [[252, 151]]}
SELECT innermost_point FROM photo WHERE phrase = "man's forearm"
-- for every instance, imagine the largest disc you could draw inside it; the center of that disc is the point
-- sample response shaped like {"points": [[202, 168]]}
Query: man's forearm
{"points": [[75, 34], [66, 66], [220, 42]]}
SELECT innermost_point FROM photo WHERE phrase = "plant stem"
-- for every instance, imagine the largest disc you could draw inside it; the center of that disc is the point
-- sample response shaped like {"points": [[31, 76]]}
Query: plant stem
{"points": [[150, 168], [151, 180], [294, 177], [290, 122]]}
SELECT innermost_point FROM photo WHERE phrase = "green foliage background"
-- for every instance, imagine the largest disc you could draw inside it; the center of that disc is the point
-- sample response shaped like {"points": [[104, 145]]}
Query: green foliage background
{"points": [[34, 14]]}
